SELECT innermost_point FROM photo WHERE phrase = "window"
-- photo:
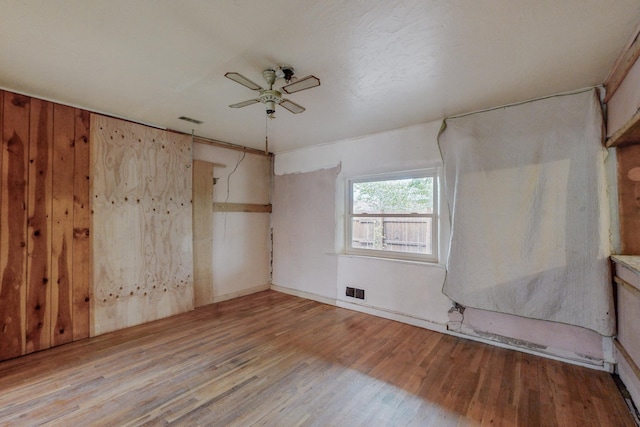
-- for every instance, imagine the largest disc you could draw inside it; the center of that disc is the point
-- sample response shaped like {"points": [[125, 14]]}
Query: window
{"points": [[394, 216]]}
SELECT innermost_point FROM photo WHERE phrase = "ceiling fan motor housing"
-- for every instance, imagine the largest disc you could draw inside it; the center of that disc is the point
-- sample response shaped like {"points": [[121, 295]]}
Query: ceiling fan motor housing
{"points": [[270, 98]]}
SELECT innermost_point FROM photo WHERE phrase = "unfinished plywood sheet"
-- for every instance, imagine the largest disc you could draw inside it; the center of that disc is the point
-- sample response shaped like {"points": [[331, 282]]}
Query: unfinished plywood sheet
{"points": [[629, 198], [203, 232], [142, 224]]}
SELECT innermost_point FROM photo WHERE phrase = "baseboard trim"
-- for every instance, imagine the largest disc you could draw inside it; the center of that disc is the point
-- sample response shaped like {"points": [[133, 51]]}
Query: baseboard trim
{"points": [[393, 315], [573, 359], [244, 292], [303, 294]]}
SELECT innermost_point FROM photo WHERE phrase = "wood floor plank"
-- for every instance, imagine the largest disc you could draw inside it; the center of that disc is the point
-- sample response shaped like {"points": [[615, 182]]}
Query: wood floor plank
{"points": [[271, 359]]}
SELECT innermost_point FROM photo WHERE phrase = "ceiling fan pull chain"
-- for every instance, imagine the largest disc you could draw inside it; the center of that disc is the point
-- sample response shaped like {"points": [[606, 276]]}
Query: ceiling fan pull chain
{"points": [[266, 135]]}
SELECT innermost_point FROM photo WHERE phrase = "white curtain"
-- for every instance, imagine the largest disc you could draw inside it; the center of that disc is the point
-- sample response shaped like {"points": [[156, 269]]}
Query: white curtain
{"points": [[529, 217]]}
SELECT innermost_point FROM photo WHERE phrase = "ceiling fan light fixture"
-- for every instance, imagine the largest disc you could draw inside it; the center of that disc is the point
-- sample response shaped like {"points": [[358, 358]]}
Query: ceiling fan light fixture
{"points": [[287, 71], [271, 107]]}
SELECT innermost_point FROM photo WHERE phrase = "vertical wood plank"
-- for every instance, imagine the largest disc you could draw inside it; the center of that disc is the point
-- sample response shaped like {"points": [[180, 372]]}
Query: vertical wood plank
{"points": [[38, 303], [202, 233], [2, 250], [62, 225], [81, 225], [13, 220]]}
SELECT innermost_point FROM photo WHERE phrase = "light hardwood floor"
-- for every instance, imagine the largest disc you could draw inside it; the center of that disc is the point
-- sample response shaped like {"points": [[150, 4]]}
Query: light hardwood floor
{"points": [[277, 360]]}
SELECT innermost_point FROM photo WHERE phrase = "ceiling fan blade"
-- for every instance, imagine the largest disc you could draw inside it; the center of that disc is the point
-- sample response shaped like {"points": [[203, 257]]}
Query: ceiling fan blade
{"points": [[239, 78], [302, 84], [244, 103], [292, 106]]}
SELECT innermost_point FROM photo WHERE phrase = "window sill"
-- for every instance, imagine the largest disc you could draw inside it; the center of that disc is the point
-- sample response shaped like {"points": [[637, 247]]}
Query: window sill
{"points": [[396, 260]]}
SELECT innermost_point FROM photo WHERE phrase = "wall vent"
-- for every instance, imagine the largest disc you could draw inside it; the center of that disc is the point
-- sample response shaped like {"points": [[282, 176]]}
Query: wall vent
{"points": [[190, 120], [355, 293]]}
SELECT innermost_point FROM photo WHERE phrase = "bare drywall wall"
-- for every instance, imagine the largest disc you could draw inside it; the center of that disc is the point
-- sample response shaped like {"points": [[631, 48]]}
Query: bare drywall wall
{"points": [[411, 289], [303, 224], [142, 222], [241, 241]]}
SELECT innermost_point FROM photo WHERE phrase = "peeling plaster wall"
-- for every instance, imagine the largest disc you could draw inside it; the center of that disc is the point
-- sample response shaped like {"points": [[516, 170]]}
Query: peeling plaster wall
{"points": [[303, 241], [241, 240], [404, 291]]}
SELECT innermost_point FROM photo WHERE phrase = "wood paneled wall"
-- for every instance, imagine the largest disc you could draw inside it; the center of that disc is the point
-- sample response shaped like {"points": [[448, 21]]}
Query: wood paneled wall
{"points": [[44, 225], [142, 224], [629, 198]]}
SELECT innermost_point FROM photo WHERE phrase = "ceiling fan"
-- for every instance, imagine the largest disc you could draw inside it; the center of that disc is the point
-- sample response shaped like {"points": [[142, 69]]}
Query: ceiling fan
{"points": [[271, 97]]}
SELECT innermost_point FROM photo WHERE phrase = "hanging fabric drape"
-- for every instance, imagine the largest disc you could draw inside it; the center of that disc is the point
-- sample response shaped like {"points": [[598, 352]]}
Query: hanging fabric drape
{"points": [[529, 213]]}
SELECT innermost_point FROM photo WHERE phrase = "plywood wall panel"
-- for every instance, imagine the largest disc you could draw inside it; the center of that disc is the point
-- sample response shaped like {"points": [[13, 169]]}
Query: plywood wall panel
{"points": [[62, 225], [141, 224], [38, 303], [13, 224], [81, 228]]}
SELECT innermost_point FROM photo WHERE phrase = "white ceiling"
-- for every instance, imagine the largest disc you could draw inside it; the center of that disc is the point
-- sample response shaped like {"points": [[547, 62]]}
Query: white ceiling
{"points": [[382, 64]]}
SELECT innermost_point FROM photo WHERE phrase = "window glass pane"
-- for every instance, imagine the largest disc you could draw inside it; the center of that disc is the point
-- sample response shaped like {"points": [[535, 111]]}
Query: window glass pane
{"points": [[398, 196], [402, 234]]}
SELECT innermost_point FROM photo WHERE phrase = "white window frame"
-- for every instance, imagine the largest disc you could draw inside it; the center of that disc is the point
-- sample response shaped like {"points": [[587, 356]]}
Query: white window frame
{"points": [[423, 173]]}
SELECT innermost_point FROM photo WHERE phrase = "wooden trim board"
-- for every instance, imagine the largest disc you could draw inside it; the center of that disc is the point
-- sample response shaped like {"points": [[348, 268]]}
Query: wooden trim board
{"points": [[627, 286], [623, 64], [242, 207], [627, 357], [202, 233], [627, 134]]}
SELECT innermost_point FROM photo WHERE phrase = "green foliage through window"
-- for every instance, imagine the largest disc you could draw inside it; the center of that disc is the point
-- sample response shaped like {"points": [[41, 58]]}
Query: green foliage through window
{"points": [[413, 195]]}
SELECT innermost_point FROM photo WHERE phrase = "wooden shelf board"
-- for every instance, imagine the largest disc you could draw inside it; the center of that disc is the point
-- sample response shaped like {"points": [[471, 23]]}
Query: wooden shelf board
{"points": [[241, 207]]}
